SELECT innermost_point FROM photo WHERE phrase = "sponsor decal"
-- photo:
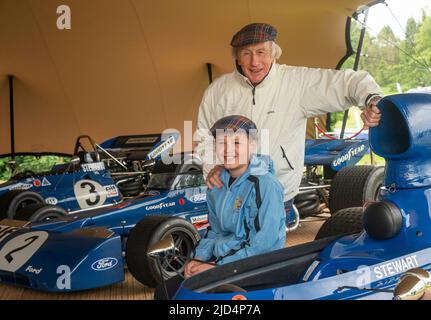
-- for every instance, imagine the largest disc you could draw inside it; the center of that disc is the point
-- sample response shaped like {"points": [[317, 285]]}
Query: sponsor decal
{"points": [[104, 264], [238, 203], [348, 155], [45, 182], [199, 219], [37, 183], [395, 267], [174, 193], [160, 206], [96, 166], [111, 191], [51, 200], [200, 222], [198, 198], [33, 270], [21, 186], [162, 148]]}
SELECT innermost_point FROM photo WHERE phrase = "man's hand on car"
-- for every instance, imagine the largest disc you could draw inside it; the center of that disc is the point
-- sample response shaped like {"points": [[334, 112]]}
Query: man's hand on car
{"points": [[371, 114]]}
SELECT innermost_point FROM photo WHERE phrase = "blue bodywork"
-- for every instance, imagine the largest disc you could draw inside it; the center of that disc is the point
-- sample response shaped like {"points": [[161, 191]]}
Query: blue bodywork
{"points": [[89, 185], [73, 189], [84, 251], [82, 241], [336, 154], [359, 266]]}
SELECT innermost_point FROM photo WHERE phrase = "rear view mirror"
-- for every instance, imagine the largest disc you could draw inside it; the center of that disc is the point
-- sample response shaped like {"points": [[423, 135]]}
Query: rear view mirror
{"points": [[415, 284]]}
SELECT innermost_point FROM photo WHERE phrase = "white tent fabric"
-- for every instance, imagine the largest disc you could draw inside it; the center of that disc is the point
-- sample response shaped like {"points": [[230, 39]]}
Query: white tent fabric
{"points": [[138, 66]]}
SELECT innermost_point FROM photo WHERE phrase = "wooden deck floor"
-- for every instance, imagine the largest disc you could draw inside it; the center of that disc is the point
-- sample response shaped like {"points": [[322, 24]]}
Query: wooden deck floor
{"points": [[131, 289]]}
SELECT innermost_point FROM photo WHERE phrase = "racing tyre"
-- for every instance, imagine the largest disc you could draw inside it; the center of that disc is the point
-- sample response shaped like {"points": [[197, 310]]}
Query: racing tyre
{"points": [[355, 185], [14, 200], [345, 221], [308, 204], [151, 230], [40, 212]]}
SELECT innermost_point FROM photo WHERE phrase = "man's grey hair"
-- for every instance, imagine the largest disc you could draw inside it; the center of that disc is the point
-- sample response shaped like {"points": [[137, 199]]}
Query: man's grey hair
{"points": [[275, 51]]}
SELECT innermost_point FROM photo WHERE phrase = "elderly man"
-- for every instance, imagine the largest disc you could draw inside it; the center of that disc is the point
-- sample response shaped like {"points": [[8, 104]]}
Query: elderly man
{"points": [[279, 98]]}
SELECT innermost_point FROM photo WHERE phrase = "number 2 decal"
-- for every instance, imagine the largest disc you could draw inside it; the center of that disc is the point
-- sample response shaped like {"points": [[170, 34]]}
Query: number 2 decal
{"points": [[17, 251], [29, 241], [89, 193]]}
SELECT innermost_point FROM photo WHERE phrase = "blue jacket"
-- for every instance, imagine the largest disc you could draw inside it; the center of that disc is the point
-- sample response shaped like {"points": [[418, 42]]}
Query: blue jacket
{"points": [[247, 218]]}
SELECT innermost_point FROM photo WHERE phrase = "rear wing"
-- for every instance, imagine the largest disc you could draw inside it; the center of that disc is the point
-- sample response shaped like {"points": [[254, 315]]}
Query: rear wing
{"points": [[145, 147]]}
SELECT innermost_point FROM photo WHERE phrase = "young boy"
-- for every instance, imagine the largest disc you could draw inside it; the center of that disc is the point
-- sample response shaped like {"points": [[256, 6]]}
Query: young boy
{"points": [[247, 215]]}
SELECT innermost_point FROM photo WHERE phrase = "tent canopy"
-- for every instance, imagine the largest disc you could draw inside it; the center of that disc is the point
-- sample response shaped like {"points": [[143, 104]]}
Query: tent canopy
{"points": [[138, 66]]}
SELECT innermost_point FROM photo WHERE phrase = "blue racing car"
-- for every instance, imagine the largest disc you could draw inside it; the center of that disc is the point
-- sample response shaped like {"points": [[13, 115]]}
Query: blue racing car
{"points": [[381, 243], [86, 250], [98, 175]]}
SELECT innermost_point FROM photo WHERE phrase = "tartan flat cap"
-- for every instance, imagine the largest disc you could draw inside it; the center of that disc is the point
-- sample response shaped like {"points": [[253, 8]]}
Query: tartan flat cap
{"points": [[235, 123], [254, 33]]}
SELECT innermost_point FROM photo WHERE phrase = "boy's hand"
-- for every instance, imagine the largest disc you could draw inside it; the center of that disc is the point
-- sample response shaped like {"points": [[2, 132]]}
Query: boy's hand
{"points": [[213, 178], [194, 267], [188, 268]]}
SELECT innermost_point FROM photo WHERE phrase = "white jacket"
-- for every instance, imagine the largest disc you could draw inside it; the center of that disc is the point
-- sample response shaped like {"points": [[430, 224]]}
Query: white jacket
{"points": [[281, 103]]}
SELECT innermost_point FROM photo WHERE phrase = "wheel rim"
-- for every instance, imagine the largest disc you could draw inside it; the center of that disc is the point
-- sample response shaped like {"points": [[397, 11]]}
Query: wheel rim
{"points": [[173, 263]]}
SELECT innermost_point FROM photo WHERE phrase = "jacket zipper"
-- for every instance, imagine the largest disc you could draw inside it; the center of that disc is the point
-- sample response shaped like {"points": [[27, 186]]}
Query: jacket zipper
{"points": [[253, 92], [285, 157], [224, 203]]}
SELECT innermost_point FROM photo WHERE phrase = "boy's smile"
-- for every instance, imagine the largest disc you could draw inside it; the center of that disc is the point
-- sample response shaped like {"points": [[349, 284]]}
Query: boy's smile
{"points": [[234, 150]]}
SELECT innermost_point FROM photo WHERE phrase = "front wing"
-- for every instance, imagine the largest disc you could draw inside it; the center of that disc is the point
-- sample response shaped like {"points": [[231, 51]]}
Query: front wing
{"points": [[59, 262]]}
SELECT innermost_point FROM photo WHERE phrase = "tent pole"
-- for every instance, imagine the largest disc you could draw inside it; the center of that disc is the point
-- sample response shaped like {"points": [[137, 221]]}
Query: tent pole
{"points": [[12, 122], [210, 72]]}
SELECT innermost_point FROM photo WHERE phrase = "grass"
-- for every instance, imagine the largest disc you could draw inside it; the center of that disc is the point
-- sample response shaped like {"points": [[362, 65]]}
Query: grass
{"points": [[366, 160]]}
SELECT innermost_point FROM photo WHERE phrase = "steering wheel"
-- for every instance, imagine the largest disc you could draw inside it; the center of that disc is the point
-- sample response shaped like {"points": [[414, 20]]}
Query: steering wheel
{"points": [[79, 148]]}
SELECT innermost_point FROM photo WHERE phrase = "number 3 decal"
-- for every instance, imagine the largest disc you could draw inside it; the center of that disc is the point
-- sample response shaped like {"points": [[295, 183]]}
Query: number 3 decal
{"points": [[17, 251], [89, 193]]}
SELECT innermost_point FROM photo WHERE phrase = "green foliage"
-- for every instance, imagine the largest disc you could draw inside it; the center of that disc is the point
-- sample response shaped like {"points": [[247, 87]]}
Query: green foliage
{"points": [[391, 60], [32, 163]]}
